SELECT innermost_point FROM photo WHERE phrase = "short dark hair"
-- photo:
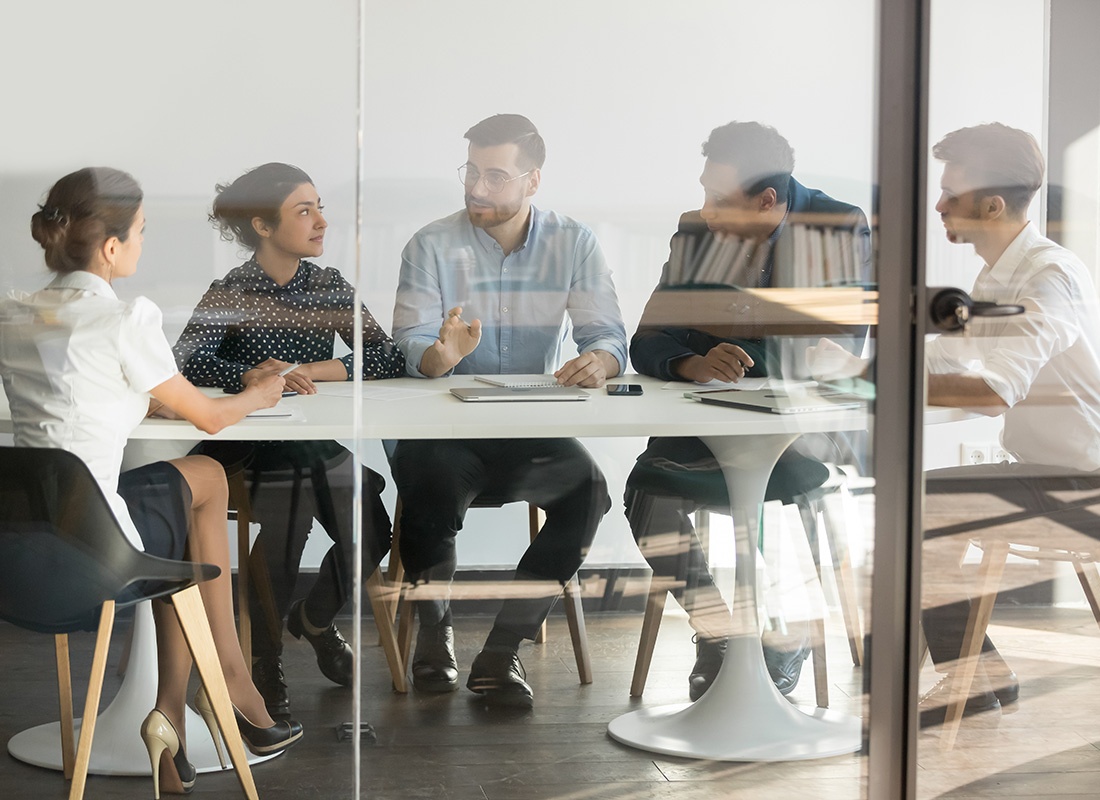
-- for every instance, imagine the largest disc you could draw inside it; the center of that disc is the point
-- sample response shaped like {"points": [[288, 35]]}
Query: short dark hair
{"points": [[1001, 160], [260, 192], [760, 154], [82, 211], [510, 129]]}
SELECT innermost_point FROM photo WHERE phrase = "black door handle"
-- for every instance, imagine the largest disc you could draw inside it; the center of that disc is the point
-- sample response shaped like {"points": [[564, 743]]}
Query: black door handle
{"points": [[951, 309]]}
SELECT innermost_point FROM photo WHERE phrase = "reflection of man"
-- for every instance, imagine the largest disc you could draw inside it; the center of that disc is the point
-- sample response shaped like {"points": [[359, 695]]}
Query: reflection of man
{"points": [[517, 272], [1041, 370], [746, 234]]}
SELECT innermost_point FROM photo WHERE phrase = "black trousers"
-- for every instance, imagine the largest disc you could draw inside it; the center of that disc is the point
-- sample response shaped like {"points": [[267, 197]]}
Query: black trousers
{"points": [[673, 478], [1019, 503], [290, 484], [439, 480]]}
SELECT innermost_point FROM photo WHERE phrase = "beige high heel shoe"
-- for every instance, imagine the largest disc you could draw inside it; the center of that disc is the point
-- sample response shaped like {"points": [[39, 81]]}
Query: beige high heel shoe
{"points": [[161, 740], [206, 711], [261, 741]]}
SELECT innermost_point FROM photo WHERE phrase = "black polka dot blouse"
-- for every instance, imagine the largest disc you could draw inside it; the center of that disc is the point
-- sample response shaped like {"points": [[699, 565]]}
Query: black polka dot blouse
{"points": [[246, 318]]}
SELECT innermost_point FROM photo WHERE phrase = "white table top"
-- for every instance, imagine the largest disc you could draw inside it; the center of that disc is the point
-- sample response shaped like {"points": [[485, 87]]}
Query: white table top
{"points": [[436, 414]]}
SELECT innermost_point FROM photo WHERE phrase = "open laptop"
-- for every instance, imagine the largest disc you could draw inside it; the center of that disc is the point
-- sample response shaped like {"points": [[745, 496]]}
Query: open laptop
{"points": [[504, 394], [777, 401]]}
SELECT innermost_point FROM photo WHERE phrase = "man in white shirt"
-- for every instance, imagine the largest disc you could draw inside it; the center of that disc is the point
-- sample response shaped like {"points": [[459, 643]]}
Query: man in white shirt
{"points": [[1039, 369]]}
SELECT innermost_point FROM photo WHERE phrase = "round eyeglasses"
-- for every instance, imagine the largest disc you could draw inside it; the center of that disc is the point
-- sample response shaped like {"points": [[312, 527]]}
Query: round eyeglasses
{"points": [[495, 182]]}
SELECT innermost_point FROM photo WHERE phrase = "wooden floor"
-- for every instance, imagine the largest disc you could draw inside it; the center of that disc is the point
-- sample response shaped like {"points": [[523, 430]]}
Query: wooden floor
{"points": [[450, 747]]}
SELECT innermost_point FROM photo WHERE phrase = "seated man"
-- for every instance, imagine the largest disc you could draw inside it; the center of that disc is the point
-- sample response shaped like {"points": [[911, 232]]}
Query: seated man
{"points": [[743, 236], [517, 272], [1040, 370]]}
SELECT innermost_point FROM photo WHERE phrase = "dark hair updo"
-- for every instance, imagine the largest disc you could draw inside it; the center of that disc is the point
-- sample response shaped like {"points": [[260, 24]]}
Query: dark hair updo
{"points": [[260, 192], [82, 211]]}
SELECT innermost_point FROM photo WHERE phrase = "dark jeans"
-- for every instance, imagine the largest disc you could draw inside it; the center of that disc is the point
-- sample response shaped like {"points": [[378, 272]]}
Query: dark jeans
{"points": [[1001, 501], [673, 478], [439, 480], [290, 484]]}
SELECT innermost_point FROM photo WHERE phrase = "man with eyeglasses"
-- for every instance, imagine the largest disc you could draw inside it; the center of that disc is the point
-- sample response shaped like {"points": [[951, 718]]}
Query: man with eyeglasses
{"points": [[490, 290]]}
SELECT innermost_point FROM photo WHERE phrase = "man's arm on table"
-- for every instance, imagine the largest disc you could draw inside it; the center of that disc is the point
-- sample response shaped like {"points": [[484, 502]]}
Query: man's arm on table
{"points": [[598, 328]]}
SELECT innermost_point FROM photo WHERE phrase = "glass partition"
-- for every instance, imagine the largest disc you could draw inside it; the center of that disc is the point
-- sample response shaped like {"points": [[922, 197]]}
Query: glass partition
{"points": [[1009, 574], [186, 100], [705, 250]]}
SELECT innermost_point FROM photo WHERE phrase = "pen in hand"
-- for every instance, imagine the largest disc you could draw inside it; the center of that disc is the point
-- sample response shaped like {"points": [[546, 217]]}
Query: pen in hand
{"points": [[290, 369]]}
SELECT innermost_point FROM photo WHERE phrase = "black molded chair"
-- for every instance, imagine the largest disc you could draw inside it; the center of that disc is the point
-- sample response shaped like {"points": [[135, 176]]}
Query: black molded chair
{"points": [[66, 566]]}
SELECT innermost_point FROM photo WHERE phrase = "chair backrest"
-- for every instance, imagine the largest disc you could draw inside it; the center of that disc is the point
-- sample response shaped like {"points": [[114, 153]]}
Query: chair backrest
{"points": [[62, 552]]}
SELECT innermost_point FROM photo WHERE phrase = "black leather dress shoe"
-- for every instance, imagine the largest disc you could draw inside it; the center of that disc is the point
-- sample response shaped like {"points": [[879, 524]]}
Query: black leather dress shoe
{"points": [[334, 655], [499, 677], [784, 656], [434, 668], [933, 703], [708, 660], [267, 674]]}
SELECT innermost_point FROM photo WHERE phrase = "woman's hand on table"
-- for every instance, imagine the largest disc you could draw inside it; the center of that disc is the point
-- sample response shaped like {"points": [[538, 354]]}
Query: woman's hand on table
{"points": [[266, 390]]}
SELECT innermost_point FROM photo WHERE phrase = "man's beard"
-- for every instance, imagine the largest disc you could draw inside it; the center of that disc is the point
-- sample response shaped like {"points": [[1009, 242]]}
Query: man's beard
{"points": [[488, 216]]}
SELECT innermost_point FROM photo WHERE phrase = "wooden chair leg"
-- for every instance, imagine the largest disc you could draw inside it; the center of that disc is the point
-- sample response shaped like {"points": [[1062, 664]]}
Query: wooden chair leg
{"points": [[837, 537], [574, 614], [395, 570], [65, 701], [535, 518], [377, 593], [994, 556], [821, 670], [261, 581], [406, 610], [91, 704], [196, 629], [1089, 577], [651, 624], [238, 498]]}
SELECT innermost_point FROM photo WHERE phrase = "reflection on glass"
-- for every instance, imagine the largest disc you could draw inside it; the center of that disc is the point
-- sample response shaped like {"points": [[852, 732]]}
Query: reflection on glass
{"points": [[759, 228], [1029, 502]]}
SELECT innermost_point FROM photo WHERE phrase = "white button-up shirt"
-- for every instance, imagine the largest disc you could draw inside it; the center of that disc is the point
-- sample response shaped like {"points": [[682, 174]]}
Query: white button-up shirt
{"points": [[1044, 363], [77, 365]]}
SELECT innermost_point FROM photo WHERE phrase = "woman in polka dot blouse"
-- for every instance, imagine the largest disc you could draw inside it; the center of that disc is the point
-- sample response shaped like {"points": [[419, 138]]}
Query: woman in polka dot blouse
{"points": [[275, 310]]}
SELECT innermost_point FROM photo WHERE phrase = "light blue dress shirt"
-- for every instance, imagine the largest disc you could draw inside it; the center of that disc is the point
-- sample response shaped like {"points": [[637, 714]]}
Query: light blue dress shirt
{"points": [[525, 300]]}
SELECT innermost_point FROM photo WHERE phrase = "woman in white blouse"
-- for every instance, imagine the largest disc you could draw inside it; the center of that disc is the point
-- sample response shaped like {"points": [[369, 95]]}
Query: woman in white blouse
{"points": [[81, 369]]}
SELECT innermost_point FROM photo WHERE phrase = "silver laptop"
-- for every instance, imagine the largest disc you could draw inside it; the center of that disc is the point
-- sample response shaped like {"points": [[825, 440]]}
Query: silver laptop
{"points": [[774, 401], [504, 394]]}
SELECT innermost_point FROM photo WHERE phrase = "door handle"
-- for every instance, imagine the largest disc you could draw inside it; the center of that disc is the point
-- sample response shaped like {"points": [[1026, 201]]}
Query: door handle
{"points": [[951, 309]]}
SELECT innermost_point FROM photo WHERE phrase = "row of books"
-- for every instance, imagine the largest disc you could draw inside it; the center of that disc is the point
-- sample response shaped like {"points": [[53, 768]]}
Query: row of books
{"points": [[818, 256]]}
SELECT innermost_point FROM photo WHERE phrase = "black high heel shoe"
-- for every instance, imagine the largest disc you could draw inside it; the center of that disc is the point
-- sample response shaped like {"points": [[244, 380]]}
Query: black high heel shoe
{"points": [[161, 740], [260, 741]]}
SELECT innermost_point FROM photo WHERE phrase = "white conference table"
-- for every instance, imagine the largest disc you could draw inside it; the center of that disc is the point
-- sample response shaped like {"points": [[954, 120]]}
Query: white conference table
{"points": [[741, 717]]}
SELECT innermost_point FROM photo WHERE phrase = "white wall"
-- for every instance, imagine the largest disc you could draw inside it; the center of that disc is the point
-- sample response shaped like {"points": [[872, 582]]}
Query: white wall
{"points": [[987, 64]]}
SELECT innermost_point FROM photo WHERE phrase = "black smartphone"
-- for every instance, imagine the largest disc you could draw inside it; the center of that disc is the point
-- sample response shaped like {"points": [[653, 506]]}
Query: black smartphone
{"points": [[624, 389]]}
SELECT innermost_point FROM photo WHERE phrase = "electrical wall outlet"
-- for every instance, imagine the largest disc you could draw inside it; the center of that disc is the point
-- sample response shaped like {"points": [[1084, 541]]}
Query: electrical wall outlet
{"points": [[999, 455], [975, 453]]}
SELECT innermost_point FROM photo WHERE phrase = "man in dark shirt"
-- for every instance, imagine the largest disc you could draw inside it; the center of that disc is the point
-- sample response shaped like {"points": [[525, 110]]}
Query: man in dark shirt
{"points": [[755, 230]]}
